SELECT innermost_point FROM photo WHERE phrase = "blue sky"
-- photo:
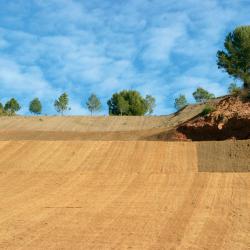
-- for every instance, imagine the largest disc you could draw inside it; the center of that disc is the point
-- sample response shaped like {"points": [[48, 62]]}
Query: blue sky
{"points": [[158, 47]]}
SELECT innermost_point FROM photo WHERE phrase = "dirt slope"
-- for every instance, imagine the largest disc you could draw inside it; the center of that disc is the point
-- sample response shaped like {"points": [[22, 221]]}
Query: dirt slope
{"points": [[92, 128], [99, 183], [120, 195]]}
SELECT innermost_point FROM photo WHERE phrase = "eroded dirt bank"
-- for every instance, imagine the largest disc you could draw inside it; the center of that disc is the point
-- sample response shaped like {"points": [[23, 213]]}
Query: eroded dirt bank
{"points": [[231, 119]]}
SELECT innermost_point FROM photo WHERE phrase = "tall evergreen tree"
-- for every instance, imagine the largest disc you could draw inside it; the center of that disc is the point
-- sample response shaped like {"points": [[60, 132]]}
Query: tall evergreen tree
{"points": [[235, 59]]}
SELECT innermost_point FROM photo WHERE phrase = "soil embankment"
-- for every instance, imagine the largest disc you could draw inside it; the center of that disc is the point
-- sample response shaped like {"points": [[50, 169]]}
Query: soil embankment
{"points": [[231, 119]]}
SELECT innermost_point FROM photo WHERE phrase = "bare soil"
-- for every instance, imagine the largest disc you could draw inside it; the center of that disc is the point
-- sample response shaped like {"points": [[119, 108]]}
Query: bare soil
{"points": [[121, 195], [100, 183], [231, 119]]}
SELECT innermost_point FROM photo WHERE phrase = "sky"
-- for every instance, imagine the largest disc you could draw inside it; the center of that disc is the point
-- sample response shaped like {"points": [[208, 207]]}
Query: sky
{"points": [[159, 47]]}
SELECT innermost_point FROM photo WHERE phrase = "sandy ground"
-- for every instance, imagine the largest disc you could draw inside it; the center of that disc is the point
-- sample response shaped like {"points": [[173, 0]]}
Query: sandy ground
{"points": [[120, 195]]}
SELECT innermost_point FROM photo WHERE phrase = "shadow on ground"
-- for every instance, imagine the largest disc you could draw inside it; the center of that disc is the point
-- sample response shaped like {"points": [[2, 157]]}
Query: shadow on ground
{"points": [[223, 156]]}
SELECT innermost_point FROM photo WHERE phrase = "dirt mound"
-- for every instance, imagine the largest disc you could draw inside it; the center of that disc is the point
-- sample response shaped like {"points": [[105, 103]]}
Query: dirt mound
{"points": [[230, 120]]}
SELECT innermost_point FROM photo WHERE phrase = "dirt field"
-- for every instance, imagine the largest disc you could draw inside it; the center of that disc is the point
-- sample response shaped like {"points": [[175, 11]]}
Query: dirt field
{"points": [[122, 195], [124, 128], [96, 123]]}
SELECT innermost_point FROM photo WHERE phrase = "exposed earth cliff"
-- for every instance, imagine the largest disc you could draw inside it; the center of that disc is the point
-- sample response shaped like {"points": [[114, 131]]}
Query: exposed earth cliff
{"points": [[229, 120]]}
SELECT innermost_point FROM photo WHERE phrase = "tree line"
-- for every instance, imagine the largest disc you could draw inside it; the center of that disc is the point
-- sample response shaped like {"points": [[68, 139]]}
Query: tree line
{"points": [[235, 60], [126, 102]]}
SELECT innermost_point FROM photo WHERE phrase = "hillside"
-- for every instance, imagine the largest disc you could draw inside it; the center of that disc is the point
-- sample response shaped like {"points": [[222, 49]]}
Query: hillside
{"points": [[230, 120], [116, 183], [92, 128], [123, 195]]}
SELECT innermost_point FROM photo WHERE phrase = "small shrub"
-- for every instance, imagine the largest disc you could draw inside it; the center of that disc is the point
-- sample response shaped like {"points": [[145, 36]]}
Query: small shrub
{"points": [[234, 90], [207, 110]]}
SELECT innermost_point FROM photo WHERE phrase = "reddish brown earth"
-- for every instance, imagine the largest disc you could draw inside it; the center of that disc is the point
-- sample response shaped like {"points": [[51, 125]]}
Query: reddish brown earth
{"points": [[230, 120]]}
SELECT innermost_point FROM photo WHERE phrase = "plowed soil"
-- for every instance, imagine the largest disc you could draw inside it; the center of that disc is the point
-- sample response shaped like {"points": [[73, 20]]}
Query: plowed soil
{"points": [[122, 195]]}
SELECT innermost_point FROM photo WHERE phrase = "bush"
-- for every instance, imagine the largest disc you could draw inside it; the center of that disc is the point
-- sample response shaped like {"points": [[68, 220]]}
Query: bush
{"points": [[234, 90], [207, 110]]}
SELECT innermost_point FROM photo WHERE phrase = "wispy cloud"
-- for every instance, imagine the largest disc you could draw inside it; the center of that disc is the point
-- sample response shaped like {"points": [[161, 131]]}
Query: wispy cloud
{"points": [[158, 47]]}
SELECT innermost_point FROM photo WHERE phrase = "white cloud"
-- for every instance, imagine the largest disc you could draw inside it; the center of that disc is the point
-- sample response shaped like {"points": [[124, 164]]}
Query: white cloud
{"points": [[14, 77], [157, 47], [160, 43]]}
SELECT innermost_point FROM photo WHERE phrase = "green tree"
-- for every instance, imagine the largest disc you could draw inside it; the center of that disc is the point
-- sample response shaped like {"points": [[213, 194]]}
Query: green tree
{"points": [[93, 103], [35, 106], [233, 89], [180, 102], [61, 104], [235, 60], [12, 106], [150, 103], [202, 95], [122, 105], [127, 102]]}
